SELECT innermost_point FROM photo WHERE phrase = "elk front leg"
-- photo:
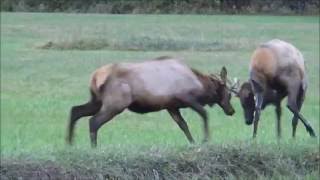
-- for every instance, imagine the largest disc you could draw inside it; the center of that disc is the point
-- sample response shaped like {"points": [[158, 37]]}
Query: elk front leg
{"points": [[194, 105], [176, 116], [259, 94]]}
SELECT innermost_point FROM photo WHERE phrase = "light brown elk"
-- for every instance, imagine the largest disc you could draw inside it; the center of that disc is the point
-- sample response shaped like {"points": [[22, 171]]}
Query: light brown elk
{"points": [[160, 84], [276, 71]]}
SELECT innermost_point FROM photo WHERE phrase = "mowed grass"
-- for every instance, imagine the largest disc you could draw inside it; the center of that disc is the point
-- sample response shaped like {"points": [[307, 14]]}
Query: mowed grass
{"points": [[39, 86]]}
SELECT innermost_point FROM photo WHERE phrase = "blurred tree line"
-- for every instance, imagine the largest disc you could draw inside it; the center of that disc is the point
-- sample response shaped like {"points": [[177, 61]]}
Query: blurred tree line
{"points": [[165, 6]]}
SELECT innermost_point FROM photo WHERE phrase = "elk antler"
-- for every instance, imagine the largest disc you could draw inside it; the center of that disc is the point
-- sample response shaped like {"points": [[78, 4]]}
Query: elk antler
{"points": [[234, 86]]}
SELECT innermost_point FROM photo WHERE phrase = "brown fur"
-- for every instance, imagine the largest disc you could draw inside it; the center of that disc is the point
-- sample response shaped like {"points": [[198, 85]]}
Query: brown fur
{"points": [[151, 86], [98, 78], [276, 71], [210, 84], [264, 62], [100, 75]]}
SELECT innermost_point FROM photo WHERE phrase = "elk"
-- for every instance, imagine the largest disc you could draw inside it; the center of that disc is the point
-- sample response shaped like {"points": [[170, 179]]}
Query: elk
{"points": [[276, 71], [160, 84]]}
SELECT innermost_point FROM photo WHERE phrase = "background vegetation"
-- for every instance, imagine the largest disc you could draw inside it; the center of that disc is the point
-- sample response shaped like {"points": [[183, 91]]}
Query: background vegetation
{"points": [[46, 61], [165, 6]]}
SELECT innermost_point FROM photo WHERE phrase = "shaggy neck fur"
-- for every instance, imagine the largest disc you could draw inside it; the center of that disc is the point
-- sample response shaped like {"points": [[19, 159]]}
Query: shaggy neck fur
{"points": [[211, 84]]}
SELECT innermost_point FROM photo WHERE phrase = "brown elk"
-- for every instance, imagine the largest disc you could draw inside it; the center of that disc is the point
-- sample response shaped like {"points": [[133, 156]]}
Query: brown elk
{"points": [[276, 71], [166, 84]]}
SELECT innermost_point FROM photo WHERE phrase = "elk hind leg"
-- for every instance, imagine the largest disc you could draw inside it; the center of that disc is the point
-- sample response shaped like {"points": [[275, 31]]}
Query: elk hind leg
{"points": [[295, 99], [88, 109], [278, 114], [114, 103], [102, 117]]}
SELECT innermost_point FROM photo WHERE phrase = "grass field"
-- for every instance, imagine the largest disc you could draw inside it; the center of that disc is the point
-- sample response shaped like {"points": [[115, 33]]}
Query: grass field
{"points": [[46, 62]]}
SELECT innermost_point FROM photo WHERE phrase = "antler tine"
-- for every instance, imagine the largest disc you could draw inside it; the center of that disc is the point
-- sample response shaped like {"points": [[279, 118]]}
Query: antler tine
{"points": [[213, 75], [230, 83], [236, 83], [234, 91], [234, 86]]}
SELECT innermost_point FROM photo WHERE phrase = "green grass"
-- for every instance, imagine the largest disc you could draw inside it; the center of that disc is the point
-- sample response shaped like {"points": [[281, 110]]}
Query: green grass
{"points": [[39, 86], [198, 162]]}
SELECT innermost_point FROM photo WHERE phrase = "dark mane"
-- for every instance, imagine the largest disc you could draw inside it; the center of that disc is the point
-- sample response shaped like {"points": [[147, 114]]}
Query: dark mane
{"points": [[264, 46], [211, 83], [202, 76], [162, 58]]}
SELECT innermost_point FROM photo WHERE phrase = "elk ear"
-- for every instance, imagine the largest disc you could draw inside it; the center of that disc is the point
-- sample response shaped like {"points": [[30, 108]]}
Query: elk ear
{"points": [[223, 74]]}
